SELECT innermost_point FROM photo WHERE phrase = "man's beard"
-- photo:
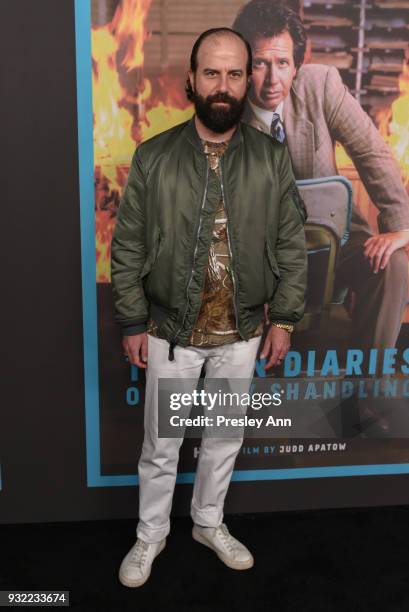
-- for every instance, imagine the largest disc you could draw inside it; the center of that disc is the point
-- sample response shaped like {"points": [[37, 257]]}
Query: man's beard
{"points": [[218, 119]]}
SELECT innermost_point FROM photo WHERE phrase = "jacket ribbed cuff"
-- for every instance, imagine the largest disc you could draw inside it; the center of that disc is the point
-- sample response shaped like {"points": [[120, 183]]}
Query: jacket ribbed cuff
{"points": [[133, 329]]}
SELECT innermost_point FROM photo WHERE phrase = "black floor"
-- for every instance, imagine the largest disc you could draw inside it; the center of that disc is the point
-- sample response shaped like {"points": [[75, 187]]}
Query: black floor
{"points": [[318, 560]]}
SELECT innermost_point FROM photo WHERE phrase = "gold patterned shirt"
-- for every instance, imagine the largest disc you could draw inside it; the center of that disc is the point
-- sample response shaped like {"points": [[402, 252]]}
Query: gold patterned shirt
{"points": [[216, 322]]}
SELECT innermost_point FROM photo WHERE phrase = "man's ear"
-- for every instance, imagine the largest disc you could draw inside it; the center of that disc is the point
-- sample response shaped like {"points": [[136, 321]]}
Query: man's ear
{"points": [[191, 77]]}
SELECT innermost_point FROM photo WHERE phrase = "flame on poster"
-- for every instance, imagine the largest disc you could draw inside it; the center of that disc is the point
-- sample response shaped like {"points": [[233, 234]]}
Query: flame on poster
{"points": [[394, 125], [128, 108]]}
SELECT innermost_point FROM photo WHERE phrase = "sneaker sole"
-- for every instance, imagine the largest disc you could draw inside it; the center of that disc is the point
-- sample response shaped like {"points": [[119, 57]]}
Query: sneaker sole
{"points": [[133, 583], [237, 565], [128, 582]]}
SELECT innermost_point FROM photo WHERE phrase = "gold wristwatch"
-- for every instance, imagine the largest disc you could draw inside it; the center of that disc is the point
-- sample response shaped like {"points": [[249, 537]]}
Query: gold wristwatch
{"points": [[287, 326]]}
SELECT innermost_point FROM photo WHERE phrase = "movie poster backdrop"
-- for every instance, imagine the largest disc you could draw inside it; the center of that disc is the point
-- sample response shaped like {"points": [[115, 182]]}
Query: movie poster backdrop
{"points": [[132, 58]]}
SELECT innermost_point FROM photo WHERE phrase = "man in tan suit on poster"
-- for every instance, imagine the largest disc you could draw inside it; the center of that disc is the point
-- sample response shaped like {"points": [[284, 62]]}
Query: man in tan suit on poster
{"points": [[309, 108]]}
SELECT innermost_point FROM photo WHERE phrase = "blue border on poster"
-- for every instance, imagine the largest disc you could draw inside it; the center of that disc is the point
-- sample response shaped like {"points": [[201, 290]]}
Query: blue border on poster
{"points": [[89, 296]]}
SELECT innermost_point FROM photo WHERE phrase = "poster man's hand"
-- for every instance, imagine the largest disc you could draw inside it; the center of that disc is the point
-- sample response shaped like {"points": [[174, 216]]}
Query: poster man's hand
{"points": [[276, 346], [136, 349], [378, 249]]}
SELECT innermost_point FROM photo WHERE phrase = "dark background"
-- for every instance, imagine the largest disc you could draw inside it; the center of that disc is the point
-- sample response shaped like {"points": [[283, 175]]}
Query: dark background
{"points": [[42, 430]]}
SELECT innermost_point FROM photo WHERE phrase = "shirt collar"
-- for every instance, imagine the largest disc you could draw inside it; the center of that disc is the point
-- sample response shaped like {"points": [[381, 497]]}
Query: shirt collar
{"points": [[264, 115]]}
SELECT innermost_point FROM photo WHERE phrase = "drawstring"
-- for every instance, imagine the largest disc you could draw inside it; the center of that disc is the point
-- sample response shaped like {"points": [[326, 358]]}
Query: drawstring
{"points": [[171, 355]]}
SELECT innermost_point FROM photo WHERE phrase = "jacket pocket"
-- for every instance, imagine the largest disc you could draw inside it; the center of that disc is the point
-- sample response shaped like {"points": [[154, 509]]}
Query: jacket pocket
{"points": [[152, 257]]}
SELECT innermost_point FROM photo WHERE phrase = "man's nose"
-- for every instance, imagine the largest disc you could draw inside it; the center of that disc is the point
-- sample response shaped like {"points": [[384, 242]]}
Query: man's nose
{"points": [[223, 83], [272, 74]]}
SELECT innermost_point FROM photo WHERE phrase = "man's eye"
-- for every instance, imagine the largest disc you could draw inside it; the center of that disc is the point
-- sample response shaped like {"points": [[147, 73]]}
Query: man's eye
{"points": [[258, 63], [284, 62], [236, 75]]}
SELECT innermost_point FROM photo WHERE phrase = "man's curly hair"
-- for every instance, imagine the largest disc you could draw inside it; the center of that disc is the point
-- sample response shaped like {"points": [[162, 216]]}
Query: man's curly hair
{"points": [[269, 18]]}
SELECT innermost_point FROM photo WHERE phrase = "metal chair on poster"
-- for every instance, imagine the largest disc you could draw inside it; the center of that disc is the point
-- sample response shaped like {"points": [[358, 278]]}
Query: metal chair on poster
{"points": [[329, 205]]}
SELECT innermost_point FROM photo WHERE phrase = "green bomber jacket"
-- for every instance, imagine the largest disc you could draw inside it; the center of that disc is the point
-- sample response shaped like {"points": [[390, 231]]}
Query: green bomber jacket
{"points": [[161, 241]]}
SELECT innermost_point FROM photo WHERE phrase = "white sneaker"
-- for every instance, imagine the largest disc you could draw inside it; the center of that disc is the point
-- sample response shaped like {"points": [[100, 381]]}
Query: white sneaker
{"points": [[232, 552], [136, 566]]}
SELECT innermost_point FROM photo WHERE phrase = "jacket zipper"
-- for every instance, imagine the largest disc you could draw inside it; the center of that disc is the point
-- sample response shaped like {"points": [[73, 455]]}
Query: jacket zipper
{"points": [[230, 251], [172, 343]]}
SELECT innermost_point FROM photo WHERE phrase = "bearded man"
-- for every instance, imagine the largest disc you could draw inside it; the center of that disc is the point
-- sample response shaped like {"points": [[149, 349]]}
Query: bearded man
{"points": [[209, 229]]}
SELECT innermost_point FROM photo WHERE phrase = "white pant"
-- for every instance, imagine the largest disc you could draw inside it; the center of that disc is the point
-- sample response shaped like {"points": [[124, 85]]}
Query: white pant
{"points": [[157, 466]]}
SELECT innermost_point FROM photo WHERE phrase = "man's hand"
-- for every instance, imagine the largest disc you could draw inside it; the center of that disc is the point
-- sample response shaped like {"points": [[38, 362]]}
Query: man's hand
{"points": [[378, 249], [136, 349], [277, 345]]}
